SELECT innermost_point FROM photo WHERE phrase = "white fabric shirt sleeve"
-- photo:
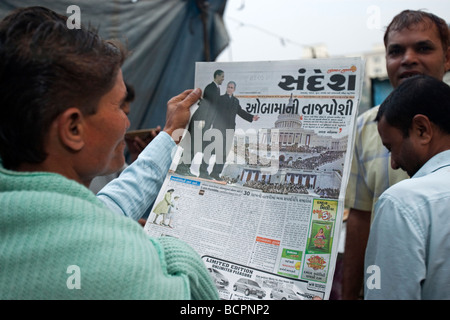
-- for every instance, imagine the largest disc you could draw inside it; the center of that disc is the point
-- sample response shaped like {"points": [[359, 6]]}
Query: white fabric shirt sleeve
{"points": [[132, 193]]}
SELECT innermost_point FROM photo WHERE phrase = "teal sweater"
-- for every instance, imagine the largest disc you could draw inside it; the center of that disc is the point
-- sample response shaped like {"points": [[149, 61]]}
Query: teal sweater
{"points": [[58, 241]]}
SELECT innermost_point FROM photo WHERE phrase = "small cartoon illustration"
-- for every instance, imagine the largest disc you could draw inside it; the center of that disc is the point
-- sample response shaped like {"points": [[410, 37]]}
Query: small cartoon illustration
{"points": [[162, 208], [173, 212]]}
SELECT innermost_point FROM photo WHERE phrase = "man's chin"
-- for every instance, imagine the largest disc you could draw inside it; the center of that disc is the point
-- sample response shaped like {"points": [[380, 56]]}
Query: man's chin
{"points": [[116, 165]]}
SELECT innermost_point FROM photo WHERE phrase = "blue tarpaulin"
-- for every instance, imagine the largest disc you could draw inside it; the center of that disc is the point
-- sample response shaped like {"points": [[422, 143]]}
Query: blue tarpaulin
{"points": [[165, 37]]}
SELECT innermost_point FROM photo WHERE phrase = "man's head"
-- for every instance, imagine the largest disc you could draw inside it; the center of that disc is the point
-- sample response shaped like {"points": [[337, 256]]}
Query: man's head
{"points": [[231, 87], [219, 76], [416, 42], [53, 81], [414, 122]]}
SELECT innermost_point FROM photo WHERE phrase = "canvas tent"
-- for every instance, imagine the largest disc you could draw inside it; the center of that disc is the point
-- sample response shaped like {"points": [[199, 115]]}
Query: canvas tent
{"points": [[166, 38]]}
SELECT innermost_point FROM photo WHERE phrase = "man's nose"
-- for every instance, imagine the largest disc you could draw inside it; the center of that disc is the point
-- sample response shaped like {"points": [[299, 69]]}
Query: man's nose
{"points": [[409, 57]]}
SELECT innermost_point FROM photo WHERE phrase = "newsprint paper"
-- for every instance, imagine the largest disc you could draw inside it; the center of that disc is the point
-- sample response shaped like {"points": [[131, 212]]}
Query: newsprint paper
{"points": [[267, 222]]}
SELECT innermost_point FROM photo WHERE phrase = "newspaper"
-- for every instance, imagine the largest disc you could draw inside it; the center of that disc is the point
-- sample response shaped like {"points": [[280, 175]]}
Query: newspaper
{"points": [[268, 227]]}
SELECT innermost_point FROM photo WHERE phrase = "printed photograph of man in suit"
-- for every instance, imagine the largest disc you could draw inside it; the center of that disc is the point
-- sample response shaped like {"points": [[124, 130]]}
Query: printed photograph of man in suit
{"points": [[225, 118], [200, 122]]}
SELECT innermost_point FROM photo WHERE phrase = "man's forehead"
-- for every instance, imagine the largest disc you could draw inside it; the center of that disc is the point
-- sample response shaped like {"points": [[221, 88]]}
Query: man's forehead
{"points": [[382, 123], [423, 28]]}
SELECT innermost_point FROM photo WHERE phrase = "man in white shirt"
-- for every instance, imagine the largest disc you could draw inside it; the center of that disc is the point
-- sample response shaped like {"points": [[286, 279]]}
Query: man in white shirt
{"points": [[408, 249]]}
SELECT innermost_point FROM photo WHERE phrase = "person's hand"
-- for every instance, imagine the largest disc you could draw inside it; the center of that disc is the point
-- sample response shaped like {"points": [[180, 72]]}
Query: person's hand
{"points": [[153, 134], [178, 112], [137, 143]]}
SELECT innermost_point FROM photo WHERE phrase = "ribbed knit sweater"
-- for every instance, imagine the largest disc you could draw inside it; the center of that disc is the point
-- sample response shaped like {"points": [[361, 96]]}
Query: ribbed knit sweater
{"points": [[58, 241]]}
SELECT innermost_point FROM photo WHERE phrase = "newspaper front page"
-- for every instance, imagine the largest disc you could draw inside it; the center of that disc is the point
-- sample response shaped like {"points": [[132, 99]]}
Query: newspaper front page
{"points": [[276, 141]]}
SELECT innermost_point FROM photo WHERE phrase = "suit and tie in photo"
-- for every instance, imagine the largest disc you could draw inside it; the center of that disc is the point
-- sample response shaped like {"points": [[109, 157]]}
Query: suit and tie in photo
{"points": [[225, 119]]}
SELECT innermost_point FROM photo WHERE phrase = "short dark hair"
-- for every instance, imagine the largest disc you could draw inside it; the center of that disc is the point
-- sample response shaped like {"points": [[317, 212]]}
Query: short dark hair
{"points": [[408, 18], [46, 68], [419, 94], [218, 73]]}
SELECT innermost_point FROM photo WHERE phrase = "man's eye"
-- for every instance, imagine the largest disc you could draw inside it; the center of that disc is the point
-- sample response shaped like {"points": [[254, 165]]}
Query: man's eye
{"points": [[394, 52], [425, 49]]}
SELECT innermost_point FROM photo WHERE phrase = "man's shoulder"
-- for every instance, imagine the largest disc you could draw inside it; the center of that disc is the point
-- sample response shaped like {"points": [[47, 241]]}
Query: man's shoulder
{"points": [[368, 116], [226, 97], [211, 85], [366, 126], [410, 191]]}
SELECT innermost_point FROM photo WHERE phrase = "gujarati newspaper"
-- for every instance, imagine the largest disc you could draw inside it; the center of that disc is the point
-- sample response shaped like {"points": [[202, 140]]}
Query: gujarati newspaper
{"points": [[265, 209]]}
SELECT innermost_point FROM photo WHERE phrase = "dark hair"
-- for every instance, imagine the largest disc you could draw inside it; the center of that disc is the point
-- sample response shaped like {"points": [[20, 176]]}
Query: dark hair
{"points": [[408, 18], [420, 94], [46, 68], [218, 73]]}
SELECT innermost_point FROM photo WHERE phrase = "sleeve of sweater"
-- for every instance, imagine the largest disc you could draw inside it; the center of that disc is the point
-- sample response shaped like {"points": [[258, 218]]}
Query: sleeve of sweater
{"points": [[132, 193], [180, 259]]}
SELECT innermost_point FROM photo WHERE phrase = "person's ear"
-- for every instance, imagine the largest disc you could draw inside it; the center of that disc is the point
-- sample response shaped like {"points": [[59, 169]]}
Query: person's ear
{"points": [[422, 128], [447, 60], [70, 129]]}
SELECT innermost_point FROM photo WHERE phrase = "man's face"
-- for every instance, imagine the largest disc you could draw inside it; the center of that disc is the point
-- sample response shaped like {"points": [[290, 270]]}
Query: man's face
{"points": [[404, 153], [219, 78], [106, 130], [415, 50], [230, 89]]}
